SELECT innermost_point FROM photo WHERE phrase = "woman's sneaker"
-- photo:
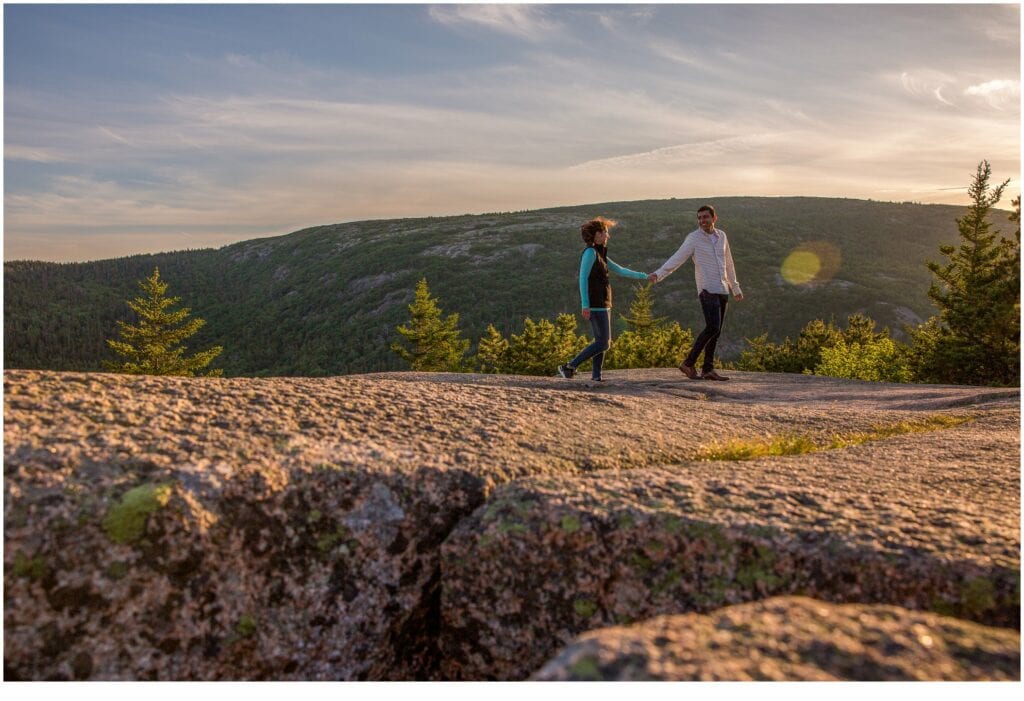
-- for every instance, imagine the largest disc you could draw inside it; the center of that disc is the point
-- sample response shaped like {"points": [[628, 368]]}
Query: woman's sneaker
{"points": [[566, 371]]}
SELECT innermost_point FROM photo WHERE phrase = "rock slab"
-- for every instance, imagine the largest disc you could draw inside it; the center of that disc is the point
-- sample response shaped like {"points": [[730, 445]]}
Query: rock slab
{"points": [[792, 639]]}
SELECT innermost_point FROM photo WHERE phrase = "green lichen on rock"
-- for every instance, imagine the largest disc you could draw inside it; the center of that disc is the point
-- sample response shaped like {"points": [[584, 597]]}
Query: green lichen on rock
{"points": [[710, 532], [668, 581], [34, 568], [326, 542], [641, 562], [570, 524], [314, 516], [246, 626], [125, 522], [511, 527], [978, 596], [758, 569], [584, 608], [672, 524], [585, 669], [117, 570], [712, 594]]}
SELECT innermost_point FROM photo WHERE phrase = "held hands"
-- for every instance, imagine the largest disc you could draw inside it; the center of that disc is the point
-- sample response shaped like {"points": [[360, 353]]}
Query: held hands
{"points": [[652, 278], [586, 314]]}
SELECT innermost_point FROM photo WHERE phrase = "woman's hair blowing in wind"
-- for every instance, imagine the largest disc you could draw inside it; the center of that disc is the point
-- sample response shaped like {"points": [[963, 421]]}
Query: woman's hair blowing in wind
{"points": [[589, 230]]}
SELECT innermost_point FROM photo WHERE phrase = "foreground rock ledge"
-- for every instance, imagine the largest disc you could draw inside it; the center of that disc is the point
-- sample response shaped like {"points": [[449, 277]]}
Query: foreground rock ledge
{"points": [[926, 521], [290, 528], [792, 639]]}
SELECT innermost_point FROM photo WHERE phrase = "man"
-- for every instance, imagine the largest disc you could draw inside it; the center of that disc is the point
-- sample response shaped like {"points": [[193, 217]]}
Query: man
{"points": [[716, 277]]}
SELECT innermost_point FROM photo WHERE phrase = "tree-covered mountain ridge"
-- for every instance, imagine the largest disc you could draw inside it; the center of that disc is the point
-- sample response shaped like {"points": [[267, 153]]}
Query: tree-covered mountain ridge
{"points": [[326, 300]]}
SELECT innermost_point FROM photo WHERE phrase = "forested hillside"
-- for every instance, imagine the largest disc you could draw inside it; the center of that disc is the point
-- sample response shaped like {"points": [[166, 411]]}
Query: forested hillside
{"points": [[326, 300]]}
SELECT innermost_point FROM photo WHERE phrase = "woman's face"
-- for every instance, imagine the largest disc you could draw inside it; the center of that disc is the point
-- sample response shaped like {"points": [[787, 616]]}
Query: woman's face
{"points": [[601, 238]]}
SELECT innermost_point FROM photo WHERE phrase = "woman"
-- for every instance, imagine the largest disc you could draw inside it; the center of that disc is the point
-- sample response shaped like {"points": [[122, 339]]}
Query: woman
{"points": [[596, 294]]}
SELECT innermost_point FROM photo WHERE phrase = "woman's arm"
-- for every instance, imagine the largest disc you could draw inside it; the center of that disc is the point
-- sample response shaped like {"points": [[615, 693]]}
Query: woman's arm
{"points": [[586, 265], [625, 272]]}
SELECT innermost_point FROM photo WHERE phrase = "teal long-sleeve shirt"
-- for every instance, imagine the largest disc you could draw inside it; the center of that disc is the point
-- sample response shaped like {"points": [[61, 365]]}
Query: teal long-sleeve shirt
{"points": [[587, 264]]}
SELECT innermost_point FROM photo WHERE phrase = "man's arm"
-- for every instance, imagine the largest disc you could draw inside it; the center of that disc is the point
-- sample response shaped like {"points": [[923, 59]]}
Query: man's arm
{"points": [[677, 259], [730, 273]]}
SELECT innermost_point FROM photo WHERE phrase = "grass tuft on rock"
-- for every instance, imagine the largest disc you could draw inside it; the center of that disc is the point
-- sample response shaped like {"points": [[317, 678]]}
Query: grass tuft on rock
{"points": [[790, 444]]}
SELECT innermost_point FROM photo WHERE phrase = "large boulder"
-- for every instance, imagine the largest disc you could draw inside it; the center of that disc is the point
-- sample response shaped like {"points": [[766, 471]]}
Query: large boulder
{"points": [[928, 521], [169, 528], [792, 639]]}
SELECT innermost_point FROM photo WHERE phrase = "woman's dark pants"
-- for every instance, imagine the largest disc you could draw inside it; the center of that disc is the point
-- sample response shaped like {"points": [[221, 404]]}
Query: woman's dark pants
{"points": [[602, 328], [713, 306]]}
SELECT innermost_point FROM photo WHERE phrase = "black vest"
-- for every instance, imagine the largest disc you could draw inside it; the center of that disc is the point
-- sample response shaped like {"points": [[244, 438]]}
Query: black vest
{"points": [[598, 286]]}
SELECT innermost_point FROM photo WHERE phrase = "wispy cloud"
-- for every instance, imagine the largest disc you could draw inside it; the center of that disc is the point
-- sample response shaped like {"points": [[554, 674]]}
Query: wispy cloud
{"points": [[926, 84], [1000, 94], [677, 54], [529, 22], [687, 155], [16, 152]]}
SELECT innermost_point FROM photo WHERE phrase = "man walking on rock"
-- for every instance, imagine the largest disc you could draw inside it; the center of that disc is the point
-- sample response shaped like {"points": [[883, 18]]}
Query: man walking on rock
{"points": [[716, 277]]}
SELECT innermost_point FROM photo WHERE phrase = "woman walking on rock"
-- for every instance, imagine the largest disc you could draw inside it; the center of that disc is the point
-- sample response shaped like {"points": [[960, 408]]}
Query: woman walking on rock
{"points": [[596, 294]]}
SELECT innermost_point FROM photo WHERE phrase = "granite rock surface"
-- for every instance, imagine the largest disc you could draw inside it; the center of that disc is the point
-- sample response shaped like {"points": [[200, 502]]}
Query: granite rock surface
{"points": [[792, 639], [293, 528]]}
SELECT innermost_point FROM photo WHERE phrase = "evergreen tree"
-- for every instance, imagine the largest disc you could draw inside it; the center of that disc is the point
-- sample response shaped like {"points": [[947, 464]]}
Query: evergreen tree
{"points": [[861, 329], [976, 337], [436, 344], [492, 353], [647, 341], [543, 346], [153, 346], [874, 354], [641, 318], [877, 360]]}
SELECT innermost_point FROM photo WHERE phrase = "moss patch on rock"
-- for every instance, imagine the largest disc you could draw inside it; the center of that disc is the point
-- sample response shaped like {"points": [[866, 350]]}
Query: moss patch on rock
{"points": [[125, 522]]}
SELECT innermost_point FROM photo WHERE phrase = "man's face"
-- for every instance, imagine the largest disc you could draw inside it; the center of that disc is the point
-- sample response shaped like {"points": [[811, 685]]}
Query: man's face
{"points": [[706, 220]]}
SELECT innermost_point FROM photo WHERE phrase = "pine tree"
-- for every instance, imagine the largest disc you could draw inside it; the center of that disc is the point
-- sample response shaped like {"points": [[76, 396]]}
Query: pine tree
{"points": [[492, 353], [153, 346], [647, 341], [641, 318], [976, 337], [436, 343]]}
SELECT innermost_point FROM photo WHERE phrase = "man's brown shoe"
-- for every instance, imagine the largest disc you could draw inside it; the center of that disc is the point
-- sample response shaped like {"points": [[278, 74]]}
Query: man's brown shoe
{"points": [[712, 375], [689, 371]]}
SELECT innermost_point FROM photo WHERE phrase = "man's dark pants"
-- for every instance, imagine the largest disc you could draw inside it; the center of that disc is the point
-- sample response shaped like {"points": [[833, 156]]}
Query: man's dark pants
{"points": [[713, 306]]}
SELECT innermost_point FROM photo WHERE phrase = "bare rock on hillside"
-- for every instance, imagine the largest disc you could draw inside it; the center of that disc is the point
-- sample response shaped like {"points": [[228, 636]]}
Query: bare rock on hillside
{"points": [[927, 521], [792, 639]]}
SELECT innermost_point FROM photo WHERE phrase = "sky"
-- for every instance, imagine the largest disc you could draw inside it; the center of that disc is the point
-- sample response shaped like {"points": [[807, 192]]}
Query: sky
{"points": [[143, 128]]}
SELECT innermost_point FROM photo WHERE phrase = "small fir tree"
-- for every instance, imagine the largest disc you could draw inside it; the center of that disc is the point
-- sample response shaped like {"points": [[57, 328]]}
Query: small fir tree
{"points": [[153, 346], [976, 337], [436, 344], [492, 352], [641, 316], [648, 342]]}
